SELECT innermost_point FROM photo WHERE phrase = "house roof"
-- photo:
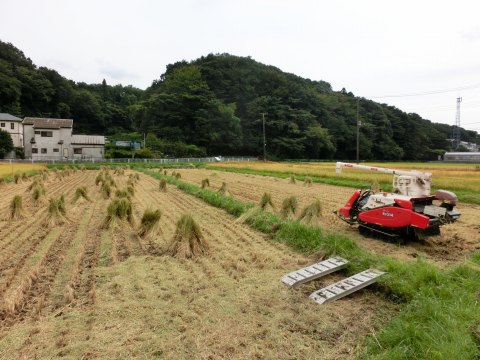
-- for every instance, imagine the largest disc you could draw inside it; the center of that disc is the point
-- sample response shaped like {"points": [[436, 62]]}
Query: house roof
{"points": [[45, 123], [87, 140], [8, 117]]}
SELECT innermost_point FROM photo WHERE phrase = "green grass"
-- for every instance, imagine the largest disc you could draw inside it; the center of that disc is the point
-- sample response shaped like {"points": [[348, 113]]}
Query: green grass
{"points": [[440, 311]]}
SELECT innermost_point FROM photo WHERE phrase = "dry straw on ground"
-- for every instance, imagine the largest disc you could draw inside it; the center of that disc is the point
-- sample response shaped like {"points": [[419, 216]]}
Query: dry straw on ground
{"points": [[16, 208], [205, 183], [375, 186], [289, 207], [311, 213], [163, 185], [118, 210], [57, 212], [266, 202], [149, 224], [307, 181], [119, 171], [122, 194], [36, 181], [188, 241], [106, 190], [224, 190], [99, 179], [38, 194], [292, 180], [81, 193]]}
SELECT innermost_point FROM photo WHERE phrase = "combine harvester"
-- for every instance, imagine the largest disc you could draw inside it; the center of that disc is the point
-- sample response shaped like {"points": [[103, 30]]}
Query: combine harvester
{"points": [[408, 211]]}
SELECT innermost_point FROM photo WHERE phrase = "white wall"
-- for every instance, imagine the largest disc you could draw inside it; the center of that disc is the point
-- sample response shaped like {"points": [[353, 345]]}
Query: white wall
{"points": [[16, 133]]}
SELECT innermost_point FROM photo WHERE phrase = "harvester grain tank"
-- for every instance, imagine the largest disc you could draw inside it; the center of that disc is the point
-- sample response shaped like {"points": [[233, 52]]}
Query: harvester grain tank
{"points": [[408, 211]]}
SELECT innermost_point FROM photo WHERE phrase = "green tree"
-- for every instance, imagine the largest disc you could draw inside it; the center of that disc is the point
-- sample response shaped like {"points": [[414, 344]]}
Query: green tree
{"points": [[6, 143]]}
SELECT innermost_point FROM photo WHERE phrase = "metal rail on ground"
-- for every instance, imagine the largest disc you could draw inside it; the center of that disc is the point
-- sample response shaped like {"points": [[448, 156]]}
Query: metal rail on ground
{"points": [[347, 286], [314, 271]]}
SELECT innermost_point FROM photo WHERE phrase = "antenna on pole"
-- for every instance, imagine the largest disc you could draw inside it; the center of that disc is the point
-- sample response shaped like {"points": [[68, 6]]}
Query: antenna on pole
{"points": [[456, 129]]}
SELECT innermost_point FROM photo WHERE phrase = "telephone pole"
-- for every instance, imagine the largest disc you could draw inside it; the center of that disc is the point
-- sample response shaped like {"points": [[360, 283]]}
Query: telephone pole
{"points": [[456, 129], [358, 134], [264, 140]]}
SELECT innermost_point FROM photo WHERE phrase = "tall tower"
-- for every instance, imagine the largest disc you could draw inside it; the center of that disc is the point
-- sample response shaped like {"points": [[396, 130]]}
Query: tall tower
{"points": [[456, 128]]}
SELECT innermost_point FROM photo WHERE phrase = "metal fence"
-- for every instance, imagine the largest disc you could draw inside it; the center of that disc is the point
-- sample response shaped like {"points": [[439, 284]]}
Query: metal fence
{"points": [[128, 160]]}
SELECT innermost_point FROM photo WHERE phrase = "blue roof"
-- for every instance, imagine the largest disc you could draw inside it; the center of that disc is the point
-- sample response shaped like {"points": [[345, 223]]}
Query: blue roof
{"points": [[8, 117]]}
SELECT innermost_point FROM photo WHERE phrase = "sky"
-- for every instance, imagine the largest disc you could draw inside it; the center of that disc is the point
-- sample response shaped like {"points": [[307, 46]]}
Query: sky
{"points": [[428, 50]]}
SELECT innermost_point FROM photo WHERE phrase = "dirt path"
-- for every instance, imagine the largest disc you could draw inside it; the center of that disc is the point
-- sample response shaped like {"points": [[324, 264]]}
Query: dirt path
{"points": [[457, 240]]}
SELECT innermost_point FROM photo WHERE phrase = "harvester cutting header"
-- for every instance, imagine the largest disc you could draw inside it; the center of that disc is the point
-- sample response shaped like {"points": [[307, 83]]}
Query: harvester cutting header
{"points": [[409, 210]]}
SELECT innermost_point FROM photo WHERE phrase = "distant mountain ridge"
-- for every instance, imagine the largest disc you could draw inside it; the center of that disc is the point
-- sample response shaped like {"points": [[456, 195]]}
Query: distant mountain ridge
{"points": [[214, 105]]}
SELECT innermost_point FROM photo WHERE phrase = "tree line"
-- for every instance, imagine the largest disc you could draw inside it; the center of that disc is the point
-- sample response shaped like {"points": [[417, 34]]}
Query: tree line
{"points": [[214, 105]]}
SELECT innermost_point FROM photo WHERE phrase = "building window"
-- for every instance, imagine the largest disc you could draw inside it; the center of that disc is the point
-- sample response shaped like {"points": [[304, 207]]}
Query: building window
{"points": [[34, 151], [46, 133], [55, 150], [44, 150], [77, 151], [37, 132], [3, 124], [12, 126]]}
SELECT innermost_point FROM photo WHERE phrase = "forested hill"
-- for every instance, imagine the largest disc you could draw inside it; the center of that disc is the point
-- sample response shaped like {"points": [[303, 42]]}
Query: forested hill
{"points": [[214, 105]]}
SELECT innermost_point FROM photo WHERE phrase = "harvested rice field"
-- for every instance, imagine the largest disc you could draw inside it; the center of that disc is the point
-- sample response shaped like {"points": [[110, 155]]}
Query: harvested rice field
{"points": [[456, 242], [78, 284]]}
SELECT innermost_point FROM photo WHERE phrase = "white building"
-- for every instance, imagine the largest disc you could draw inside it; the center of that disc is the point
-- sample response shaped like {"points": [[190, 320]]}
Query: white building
{"points": [[52, 139], [467, 157], [12, 125]]}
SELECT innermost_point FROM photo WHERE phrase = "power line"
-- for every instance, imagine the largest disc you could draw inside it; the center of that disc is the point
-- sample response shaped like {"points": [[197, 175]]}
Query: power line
{"points": [[432, 92]]}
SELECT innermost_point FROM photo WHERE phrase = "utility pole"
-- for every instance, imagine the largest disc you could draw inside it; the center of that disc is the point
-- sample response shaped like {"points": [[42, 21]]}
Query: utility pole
{"points": [[144, 141], [264, 140], [456, 129], [358, 134]]}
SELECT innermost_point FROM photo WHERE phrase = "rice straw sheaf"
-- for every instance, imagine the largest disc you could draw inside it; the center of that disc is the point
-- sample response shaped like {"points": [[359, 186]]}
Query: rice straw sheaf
{"points": [[188, 241]]}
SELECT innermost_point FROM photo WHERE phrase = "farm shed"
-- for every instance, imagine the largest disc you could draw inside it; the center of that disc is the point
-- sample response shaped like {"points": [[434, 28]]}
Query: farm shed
{"points": [[468, 157], [88, 146]]}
